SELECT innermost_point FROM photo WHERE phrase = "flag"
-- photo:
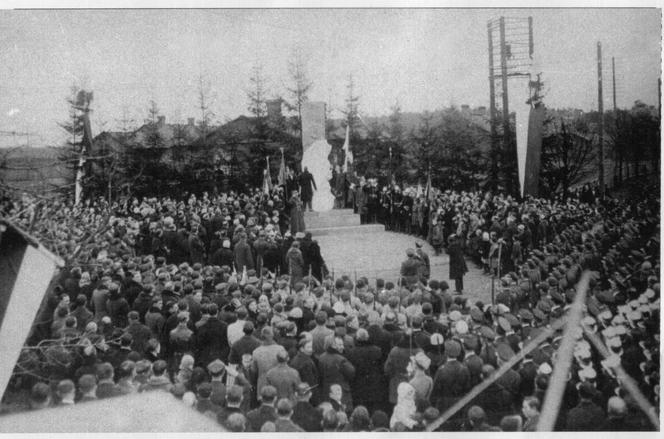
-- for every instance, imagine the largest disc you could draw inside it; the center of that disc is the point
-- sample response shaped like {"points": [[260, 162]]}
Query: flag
{"points": [[267, 179], [281, 177], [347, 152], [428, 192]]}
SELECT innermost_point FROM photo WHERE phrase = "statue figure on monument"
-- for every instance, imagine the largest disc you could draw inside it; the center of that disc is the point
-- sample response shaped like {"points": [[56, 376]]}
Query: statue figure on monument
{"points": [[306, 192]]}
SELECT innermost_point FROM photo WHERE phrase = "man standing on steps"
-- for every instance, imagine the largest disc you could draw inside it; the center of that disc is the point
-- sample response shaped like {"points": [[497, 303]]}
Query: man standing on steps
{"points": [[307, 186]]}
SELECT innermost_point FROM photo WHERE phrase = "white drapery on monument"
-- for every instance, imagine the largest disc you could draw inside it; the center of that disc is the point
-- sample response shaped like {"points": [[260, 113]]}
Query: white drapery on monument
{"points": [[315, 154]]}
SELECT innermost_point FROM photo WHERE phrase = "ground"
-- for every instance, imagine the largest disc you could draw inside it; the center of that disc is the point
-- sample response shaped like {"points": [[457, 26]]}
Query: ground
{"points": [[380, 254]]}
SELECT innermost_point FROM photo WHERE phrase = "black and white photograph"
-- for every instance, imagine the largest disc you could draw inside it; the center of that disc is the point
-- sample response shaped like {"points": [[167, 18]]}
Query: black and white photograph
{"points": [[308, 218]]}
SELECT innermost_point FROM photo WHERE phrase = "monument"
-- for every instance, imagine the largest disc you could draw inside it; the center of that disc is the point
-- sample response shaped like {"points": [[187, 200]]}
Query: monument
{"points": [[315, 154]]}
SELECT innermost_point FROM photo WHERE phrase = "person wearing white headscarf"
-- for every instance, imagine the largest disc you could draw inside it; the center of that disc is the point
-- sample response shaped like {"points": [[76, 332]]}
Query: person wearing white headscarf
{"points": [[405, 408]]}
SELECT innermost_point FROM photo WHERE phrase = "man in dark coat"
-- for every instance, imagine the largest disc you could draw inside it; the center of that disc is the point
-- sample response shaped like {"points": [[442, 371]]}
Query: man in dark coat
{"points": [[304, 364], [336, 369], [304, 414], [410, 268], [457, 263], [212, 340], [223, 255], [586, 416], [307, 186], [245, 345], [265, 412], [452, 380], [368, 385], [243, 256]]}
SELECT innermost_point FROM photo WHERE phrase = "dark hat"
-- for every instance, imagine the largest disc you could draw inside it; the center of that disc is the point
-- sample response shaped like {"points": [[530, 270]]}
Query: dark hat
{"points": [[539, 314], [476, 315], [452, 349], [504, 351], [555, 295], [470, 342], [504, 323], [525, 315], [216, 366], [511, 318], [488, 333], [586, 390]]}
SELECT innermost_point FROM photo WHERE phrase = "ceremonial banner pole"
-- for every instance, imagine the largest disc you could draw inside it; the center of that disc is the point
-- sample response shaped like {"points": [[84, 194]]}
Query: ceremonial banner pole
{"points": [[564, 357]]}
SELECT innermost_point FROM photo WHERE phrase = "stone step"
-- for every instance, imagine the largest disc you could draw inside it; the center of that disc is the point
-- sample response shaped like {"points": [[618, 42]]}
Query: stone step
{"points": [[330, 213], [332, 221], [365, 228]]}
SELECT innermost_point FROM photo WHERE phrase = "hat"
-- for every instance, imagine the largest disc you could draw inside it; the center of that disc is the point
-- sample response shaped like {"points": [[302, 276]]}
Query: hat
{"points": [[544, 369], [504, 324], [539, 314], [512, 319], [452, 349], [504, 351], [421, 360], [488, 333], [295, 313], [461, 327], [470, 342], [525, 315], [216, 367], [455, 316], [436, 339], [476, 315]]}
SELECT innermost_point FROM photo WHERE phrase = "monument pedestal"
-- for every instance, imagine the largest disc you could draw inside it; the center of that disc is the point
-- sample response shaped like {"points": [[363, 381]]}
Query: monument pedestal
{"points": [[337, 221]]}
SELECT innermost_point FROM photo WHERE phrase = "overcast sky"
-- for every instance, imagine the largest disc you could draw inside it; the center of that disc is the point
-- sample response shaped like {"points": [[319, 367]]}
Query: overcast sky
{"points": [[423, 59]]}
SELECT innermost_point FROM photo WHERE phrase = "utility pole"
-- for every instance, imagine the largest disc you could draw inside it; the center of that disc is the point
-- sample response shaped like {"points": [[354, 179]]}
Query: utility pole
{"points": [[492, 114], [506, 112], [613, 66], [600, 103]]}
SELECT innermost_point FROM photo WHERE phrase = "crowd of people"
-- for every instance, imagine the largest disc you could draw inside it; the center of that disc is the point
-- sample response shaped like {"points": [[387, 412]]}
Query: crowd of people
{"points": [[214, 300]]}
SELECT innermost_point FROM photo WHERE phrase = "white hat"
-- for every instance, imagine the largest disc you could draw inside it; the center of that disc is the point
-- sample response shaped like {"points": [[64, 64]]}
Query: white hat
{"points": [[461, 327]]}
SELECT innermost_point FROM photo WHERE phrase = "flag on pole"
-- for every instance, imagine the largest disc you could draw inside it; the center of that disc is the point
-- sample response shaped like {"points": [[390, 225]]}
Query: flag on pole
{"points": [[429, 190], [347, 152], [267, 179], [281, 177]]}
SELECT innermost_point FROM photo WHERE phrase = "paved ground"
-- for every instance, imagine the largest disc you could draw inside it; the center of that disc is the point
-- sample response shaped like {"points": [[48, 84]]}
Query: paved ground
{"points": [[380, 254]]}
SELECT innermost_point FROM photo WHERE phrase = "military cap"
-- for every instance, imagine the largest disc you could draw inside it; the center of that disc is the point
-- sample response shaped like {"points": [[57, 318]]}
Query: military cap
{"points": [[216, 366], [487, 333], [504, 323], [525, 315], [504, 351]]}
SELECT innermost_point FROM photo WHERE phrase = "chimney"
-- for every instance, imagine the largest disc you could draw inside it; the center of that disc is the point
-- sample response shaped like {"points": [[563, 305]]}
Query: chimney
{"points": [[274, 109], [161, 121], [191, 121]]}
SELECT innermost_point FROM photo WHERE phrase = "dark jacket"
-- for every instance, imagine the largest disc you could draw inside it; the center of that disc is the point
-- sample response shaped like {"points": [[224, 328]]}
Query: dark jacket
{"points": [[457, 262], [306, 416], [586, 416], [336, 369], [212, 341], [451, 382], [260, 415], [368, 384], [244, 345], [306, 367]]}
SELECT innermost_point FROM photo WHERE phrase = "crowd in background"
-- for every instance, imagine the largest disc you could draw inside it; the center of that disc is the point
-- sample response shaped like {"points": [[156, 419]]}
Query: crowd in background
{"points": [[217, 301]]}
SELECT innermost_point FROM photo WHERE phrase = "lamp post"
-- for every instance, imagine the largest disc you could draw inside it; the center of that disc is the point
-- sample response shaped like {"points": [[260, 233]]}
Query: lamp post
{"points": [[389, 183]]}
